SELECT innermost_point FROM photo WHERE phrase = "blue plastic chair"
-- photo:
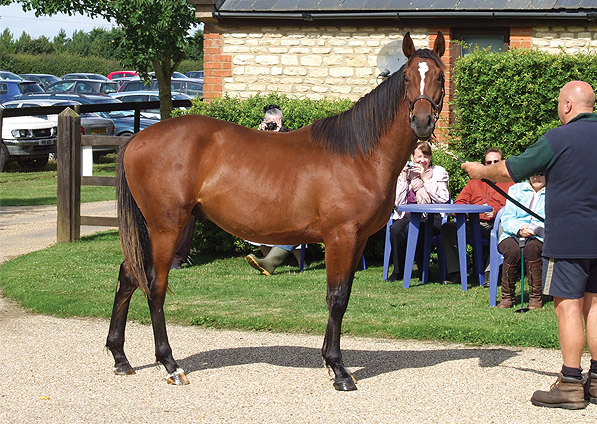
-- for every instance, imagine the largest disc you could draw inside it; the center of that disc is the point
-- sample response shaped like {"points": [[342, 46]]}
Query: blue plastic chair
{"points": [[495, 259], [302, 260]]}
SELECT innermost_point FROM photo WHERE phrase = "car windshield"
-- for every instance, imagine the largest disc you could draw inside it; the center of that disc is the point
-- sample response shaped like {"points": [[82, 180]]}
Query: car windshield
{"points": [[9, 76], [120, 113], [109, 88], [30, 88]]}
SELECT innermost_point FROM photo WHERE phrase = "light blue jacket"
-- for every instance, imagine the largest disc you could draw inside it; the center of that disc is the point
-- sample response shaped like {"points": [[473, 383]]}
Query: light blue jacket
{"points": [[513, 217]]}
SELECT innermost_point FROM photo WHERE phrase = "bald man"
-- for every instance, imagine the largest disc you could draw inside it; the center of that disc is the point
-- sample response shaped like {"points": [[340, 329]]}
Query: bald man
{"points": [[568, 156]]}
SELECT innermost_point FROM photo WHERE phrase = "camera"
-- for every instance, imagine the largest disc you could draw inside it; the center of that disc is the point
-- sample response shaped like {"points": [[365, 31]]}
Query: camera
{"points": [[271, 126], [410, 165]]}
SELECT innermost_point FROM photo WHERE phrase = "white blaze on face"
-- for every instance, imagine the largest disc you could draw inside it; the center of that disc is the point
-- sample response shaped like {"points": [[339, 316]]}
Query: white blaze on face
{"points": [[423, 68]]}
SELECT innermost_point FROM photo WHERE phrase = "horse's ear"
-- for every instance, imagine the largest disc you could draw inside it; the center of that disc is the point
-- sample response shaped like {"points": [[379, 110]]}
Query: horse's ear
{"points": [[439, 46], [408, 47]]}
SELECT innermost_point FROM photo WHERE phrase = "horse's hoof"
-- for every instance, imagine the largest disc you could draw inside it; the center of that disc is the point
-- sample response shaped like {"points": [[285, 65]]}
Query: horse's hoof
{"points": [[177, 378], [345, 385], [124, 369]]}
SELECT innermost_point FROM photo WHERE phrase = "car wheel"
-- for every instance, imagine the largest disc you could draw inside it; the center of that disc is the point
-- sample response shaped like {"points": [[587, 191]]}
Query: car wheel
{"points": [[3, 156], [36, 163]]}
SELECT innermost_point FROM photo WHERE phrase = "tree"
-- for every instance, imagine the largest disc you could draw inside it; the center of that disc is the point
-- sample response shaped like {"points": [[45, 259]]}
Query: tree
{"points": [[155, 32], [60, 41], [6, 42], [27, 45]]}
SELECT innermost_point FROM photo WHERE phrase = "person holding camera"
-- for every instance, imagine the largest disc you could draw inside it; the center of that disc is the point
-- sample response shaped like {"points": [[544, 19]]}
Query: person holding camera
{"points": [[419, 182], [273, 119]]}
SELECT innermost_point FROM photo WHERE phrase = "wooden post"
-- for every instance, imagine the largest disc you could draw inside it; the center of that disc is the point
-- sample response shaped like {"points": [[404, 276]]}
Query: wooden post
{"points": [[68, 157]]}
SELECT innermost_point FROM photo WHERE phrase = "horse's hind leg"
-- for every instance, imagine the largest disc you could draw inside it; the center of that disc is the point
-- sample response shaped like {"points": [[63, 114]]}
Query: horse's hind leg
{"points": [[163, 248], [115, 340], [341, 262]]}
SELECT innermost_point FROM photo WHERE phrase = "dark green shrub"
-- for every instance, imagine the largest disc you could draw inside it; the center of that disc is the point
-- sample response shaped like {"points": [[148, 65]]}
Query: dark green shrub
{"points": [[509, 100]]}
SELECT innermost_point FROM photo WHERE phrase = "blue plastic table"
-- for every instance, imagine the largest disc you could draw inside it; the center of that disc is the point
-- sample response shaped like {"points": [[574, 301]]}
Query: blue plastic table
{"points": [[460, 211]]}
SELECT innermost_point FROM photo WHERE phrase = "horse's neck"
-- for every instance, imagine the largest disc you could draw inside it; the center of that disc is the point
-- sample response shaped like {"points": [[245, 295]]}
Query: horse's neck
{"points": [[396, 146]]}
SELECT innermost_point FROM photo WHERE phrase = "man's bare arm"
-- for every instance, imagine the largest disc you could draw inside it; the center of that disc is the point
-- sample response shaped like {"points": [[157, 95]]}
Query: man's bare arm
{"points": [[495, 172]]}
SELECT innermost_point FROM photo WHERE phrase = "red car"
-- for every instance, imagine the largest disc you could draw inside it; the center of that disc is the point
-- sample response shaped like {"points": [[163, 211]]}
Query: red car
{"points": [[122, 74]]}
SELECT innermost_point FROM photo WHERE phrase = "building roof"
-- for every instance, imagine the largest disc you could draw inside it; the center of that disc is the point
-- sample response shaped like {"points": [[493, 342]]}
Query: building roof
{"points": [[332, 9]]}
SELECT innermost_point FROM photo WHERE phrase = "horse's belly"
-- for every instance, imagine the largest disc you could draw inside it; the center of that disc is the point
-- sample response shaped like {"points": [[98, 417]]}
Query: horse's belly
{"points": [[262, 221]]}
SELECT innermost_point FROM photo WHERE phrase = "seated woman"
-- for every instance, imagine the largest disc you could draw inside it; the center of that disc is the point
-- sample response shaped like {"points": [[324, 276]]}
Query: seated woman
{"points": [[523, 234], [419, 182]]}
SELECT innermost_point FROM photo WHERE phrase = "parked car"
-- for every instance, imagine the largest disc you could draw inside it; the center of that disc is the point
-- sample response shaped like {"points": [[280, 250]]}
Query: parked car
{"points": [[42, 79], [27, 140], [7, 75], [122, 74], [86, 86], [9, 89], [193, 88], [147, 96], [123, 120], [195, 74], [84, 75], [175, 74], [91, 123]]}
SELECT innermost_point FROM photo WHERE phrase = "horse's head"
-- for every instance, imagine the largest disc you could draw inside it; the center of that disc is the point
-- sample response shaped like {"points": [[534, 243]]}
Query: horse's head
{"points": [[424, 80]]}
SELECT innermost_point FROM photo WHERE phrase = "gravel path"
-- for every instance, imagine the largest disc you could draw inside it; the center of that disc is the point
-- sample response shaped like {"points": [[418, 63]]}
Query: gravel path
{"points": [[57, 371]]}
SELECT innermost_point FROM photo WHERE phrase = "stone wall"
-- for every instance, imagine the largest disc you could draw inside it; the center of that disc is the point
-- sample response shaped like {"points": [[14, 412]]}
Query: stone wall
{"points": [[312, 62], [571, 39], [335, 61]]}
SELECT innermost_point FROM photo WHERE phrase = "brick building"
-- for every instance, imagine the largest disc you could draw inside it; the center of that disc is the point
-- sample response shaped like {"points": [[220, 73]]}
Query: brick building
{"points": [[338, 49]]}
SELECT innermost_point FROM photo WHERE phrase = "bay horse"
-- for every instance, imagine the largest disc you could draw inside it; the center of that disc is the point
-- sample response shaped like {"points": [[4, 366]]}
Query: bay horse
{"points": [[332, 182]]}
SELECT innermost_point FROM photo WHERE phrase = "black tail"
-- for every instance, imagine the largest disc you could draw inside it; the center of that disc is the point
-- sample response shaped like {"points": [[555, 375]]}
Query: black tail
{"points": [[134, 236]]}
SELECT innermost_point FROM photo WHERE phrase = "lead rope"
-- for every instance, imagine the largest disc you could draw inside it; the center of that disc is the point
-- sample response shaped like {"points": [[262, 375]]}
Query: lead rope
{"points": [[495, 187]]}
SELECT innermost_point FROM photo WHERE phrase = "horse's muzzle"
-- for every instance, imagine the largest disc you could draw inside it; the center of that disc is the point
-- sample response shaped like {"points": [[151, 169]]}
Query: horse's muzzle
{"points": [[423, 122], [423, 125]]}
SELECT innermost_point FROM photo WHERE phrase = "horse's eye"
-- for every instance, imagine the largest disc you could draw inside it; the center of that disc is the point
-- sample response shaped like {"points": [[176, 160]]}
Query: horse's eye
{"points": [[440, 78]]}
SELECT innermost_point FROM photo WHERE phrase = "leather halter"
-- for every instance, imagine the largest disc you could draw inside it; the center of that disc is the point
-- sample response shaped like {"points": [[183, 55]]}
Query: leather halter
{"points": [[437, 107]]}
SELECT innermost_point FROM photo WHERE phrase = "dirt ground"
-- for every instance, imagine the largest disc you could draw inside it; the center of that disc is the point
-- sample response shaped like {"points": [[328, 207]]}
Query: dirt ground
{"points": [[57, 371]]}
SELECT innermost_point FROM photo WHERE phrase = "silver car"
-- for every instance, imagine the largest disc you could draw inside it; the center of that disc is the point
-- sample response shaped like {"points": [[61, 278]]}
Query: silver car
{"points": [[91, 123]]}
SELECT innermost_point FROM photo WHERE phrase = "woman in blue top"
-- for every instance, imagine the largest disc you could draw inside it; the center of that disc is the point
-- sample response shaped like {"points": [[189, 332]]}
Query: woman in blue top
{"points": [[521, 229]]}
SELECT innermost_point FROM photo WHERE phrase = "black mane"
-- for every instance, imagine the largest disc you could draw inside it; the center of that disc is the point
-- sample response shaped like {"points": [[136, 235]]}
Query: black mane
{"points": [[361, 127]]}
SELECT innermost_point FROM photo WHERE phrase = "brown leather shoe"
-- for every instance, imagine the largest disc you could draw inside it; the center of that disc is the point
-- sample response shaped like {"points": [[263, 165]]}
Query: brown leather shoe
{"points": [[591, 388], [566, 392]]}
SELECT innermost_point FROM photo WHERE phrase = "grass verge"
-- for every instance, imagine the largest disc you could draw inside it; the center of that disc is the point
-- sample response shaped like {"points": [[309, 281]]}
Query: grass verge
{"points": [[79, 279], [39, 188]]}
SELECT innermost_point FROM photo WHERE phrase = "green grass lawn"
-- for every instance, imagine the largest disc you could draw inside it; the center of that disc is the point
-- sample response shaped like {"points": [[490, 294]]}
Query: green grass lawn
{"points": [[39, 188], [79, 279]]}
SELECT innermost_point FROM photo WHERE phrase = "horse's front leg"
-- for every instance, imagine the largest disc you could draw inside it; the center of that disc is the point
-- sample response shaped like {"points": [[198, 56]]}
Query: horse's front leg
{"points": [[115, 341], [341, 261]]}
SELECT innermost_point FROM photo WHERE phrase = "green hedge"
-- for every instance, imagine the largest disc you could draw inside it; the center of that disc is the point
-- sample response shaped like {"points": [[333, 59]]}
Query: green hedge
{"points": [[62, 63], [509, 100]]}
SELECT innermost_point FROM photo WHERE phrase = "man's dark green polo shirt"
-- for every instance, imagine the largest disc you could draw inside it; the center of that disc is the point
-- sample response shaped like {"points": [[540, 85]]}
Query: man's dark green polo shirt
{"points": [[568, 155]]}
